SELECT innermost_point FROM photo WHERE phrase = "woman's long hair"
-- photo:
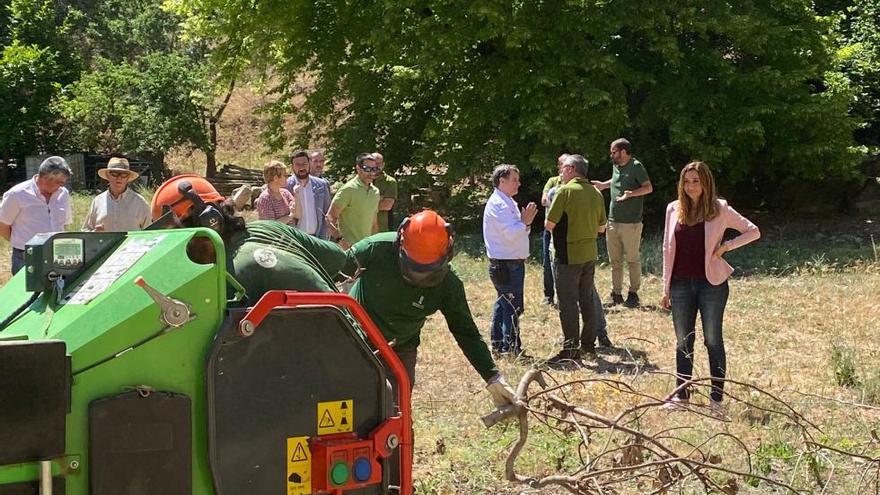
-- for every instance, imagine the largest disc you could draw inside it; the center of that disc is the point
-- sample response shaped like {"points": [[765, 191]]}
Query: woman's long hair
{"points": [[704, 209]]}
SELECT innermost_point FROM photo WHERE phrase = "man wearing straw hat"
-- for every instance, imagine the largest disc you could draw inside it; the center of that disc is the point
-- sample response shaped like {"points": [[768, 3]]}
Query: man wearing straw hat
{"points": [[119, 208]]}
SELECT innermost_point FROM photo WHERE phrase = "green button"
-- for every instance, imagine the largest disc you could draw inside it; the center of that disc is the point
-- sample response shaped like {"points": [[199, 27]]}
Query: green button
{"points": [[339, 473]]}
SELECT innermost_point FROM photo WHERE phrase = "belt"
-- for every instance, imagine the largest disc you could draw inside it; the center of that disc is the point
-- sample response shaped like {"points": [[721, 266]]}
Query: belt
{"points": [[495, 260]]}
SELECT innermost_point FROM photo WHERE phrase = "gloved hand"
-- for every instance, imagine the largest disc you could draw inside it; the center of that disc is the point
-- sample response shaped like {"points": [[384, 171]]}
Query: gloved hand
{"points": [[502, 394]]}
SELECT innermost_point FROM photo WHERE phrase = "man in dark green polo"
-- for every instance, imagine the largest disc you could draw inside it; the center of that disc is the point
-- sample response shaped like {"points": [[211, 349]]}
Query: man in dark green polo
{"points": [[576, 217], [629, 184]]}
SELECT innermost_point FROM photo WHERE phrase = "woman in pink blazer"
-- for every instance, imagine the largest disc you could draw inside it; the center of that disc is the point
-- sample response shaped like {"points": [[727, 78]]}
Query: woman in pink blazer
{"points": [[695, 273]]}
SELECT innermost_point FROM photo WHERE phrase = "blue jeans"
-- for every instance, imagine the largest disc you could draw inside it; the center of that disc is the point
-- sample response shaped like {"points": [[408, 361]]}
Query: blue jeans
{"points": [[508, 277], [548, 265], [17, 260], [687, 296]]}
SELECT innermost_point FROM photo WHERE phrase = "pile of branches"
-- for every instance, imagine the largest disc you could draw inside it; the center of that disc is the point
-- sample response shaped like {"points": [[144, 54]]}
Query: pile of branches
{"points": [[617, 456]]}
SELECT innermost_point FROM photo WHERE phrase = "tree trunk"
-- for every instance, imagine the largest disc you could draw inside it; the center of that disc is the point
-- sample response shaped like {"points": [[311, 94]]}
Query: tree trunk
{"points": [[211, 152]]}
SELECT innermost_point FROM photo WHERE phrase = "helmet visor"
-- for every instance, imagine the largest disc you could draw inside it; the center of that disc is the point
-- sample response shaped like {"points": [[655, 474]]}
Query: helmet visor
{"points": [[421, 274]]}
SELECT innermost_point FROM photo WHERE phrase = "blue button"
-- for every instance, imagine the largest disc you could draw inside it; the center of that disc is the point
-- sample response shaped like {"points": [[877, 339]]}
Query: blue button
{"points": [[362, 469]]}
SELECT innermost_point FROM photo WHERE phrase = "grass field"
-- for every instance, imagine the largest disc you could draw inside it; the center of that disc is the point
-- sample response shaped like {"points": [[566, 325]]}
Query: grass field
{"points": [[804, 319]]}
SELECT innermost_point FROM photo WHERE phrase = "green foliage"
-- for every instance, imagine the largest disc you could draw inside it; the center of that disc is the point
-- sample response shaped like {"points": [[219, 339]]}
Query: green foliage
{"points": [[469, 84], [844, 363], [27, 85], [124, 30], [33, 68], [859, 65], [152, 103]]}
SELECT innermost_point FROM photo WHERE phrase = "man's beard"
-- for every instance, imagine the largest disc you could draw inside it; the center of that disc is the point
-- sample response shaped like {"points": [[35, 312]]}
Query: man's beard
{"points": [[304, 174]]}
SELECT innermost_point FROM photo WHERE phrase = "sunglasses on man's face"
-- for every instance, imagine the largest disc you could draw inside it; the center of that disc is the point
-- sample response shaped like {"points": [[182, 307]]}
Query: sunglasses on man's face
{"points": [[118, 175], [370, 170]]}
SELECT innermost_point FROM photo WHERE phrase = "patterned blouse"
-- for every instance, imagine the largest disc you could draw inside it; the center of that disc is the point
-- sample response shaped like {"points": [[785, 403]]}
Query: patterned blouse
{"points": [[271, 208]]}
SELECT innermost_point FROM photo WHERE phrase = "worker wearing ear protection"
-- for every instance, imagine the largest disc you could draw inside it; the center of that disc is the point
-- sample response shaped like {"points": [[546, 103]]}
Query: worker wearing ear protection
{"points": [[405, 276], [261, 255]]}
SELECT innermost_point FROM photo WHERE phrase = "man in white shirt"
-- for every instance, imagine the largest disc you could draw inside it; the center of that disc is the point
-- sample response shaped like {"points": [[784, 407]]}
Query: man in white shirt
{"points": [[506, 234], [311, 194], [38, 205], [119, 208]]}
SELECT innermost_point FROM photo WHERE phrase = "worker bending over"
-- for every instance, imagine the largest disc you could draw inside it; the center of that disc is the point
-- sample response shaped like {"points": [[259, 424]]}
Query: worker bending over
{"points": [[405, 276]]}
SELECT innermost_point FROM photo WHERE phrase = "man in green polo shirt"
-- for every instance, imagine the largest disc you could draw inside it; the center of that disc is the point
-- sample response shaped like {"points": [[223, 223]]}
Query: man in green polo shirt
{"points": [[576, 217], [352, 214], [387, 186], [629, 184], [405, 277]]}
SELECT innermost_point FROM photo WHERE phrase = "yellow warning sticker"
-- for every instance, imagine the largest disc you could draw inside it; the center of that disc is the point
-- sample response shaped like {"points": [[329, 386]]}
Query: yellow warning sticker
{"points": [[335, 417], [299, 466]]}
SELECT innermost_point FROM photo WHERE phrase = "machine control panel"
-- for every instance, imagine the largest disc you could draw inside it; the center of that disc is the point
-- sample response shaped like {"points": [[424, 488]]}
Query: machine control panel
{"points": [[58, 256], [67, 253]]}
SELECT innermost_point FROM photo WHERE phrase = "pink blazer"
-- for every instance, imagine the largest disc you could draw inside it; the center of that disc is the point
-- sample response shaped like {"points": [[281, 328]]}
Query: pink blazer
{"points": [[717, 269]]}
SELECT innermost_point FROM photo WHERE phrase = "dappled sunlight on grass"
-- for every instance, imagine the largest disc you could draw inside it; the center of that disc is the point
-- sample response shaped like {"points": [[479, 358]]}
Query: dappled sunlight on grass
{"points": [[778, 332]]}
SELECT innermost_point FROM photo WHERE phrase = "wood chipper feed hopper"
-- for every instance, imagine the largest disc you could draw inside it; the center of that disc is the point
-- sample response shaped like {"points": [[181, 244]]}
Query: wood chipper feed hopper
{"points": [[125, 368]]}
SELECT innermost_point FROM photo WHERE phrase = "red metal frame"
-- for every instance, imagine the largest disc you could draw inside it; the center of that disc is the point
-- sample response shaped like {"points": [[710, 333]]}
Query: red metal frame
{"points": [[290, 299]]}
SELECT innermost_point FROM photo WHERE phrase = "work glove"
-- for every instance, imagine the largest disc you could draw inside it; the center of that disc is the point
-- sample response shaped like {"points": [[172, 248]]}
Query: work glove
{"points": [[502, 394]]}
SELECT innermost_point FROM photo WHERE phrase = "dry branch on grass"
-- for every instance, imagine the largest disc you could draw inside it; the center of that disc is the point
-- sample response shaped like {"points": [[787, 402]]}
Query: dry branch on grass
{"points": [[616, 454]]}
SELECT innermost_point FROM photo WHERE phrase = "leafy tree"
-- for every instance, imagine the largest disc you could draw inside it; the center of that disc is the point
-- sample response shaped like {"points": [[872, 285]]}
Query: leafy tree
{"points": [[153, 103], [859, 58], [33, 68], [472, 83], [144, 87], [27, 86]]}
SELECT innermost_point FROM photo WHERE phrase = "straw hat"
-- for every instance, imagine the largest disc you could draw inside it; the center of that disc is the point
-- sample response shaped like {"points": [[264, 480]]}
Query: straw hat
{"points": [[117, 163]]}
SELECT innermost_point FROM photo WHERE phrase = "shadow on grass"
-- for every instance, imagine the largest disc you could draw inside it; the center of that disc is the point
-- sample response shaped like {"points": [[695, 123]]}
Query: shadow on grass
{"points": [[628, 362]]}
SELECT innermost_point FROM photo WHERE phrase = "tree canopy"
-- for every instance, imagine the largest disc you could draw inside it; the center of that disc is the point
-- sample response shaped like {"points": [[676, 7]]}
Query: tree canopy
{"points": [[741, 85]]}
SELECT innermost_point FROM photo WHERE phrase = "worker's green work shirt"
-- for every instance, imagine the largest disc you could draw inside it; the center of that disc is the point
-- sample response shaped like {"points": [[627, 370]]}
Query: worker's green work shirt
{"points": [[359, 204], [270, 255], [387, 186], [551, 183], [400, 309], [577, 210], [627, 178]]}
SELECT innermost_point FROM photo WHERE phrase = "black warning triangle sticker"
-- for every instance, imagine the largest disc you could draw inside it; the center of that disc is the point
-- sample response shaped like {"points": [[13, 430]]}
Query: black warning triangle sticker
{"points": [[326, 420], [299, 454], [344, 405]]}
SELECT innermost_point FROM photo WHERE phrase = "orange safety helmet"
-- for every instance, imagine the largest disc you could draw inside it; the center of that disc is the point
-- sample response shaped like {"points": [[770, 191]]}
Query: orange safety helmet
{"points": [[426, 245], [425, 237], [168, 194]]}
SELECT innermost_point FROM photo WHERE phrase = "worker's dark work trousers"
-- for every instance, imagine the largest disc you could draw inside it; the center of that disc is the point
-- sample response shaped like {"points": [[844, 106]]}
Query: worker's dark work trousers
{"points": [[547, 261], [574, 289]]}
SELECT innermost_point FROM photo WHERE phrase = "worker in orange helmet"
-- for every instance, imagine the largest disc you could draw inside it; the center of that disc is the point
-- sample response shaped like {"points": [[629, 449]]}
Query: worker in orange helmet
{"points": [[405, 277], [261, 255]]}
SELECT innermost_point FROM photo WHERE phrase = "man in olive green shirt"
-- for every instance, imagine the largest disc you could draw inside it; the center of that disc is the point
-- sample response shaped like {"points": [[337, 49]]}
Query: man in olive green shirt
{"points": [[387, 186], [352, 214], [576, 217], [629, 183]]}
